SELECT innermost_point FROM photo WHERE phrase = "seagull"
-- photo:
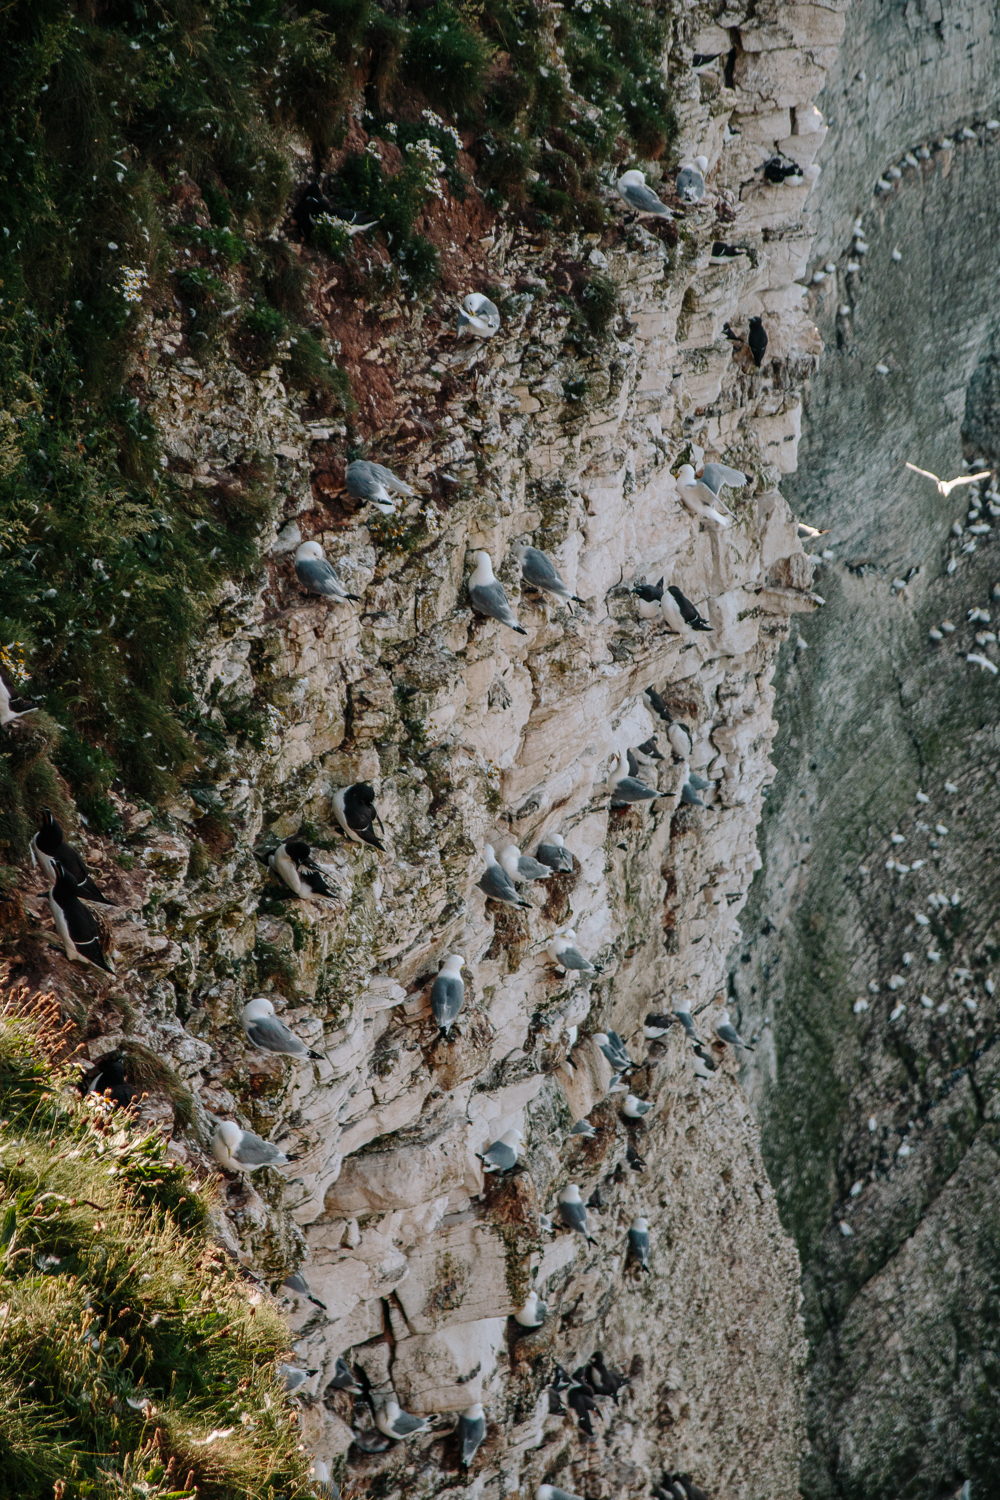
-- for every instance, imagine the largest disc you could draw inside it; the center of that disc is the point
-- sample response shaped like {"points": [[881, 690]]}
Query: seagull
{"points": [[604, 1381], [478, 317], [625, 788], [343, 1379], [315, 574], [699, 499], [265, 1031], [689, 795], [691, 180], [12, 708], [614, 1050], [945, 486], [649, 596], [293, 862], [810, 533], [538, 569], [355, 811], [553, 1492], [641, 199], [501, 1156], [75, 923], [634, 1108], [638, 1241], [757, 339], [497, 884], [521, 867], [562, 952], [684, 1016], [298, 1284], [726, 1031], [241, 1151], [573, 1212], [374, 482], [583, 1130], [399, 1424], [293, 1378], [552, 851], [448, 992], [49, 845], [487, 596], [471, 1431], [533, 1313], [679, 613], [720, 476]]}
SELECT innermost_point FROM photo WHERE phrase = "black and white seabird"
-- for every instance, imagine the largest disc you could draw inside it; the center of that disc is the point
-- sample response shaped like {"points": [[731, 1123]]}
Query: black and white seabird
{"points": [[75, 923], [562, 950], [354, 809], [573, 1212], [691, 180], [633, 191], [757, 340], [706, 1057], [376, 483], [648, 753], [108, 1077], [626, 789], [638, 1241], [649, 596], [679, 613], [13, 708], [315, 574], [692, 1491], [552, 851], [293, 863], [298, 1284], [538, 570], [604, 1381], [49, 845], [487, 597], [653, 701], [633, 1158], [521, 867], [581, 1401], [241, 1151], [726, 1032], [448, 992], [399, 1424], [502, 1155], [533, 1313], [656, 1025], [471, 1431], [343, 1378], [722, 254], [497, 884], [266, 1031]]}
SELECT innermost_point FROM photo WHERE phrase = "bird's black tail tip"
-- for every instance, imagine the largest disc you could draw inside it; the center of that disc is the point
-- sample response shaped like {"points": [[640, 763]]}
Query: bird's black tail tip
{"points": [[520, 629], [354, 598]]}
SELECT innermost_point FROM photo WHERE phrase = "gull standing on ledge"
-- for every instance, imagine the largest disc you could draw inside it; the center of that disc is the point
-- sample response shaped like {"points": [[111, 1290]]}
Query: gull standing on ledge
{"points": [[471, 1431], [368, 481], [945, 486], [641, 199], [478, 317], [502, 1155], [241, 1151], [626, 788], [315, 574], [573, 1212], [562, 952], [265, 1031], [399, 1424], [497, 884], [448, 992], [487, 596], [552, 851], [691, 180], [521, 867], [538, 569]]}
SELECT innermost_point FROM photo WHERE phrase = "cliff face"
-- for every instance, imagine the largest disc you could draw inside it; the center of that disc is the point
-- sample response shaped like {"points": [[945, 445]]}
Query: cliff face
{"points": [[471, 734], [869, 963]]}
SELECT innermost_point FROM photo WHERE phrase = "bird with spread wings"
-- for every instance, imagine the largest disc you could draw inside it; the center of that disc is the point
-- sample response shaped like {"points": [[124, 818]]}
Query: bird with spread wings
{"points": [[945, 486]]}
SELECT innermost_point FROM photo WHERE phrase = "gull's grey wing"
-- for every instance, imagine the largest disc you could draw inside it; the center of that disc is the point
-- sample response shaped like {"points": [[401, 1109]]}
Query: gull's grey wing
{"points": [[497, 883], [316, 574], [362, 481], [447, 995], [645, 200], [391, 480], [539, 569], [253, 1152], [716, 475], [571, 959], [532, 869], [405, 1424], [489, 599], [273, 1035]]}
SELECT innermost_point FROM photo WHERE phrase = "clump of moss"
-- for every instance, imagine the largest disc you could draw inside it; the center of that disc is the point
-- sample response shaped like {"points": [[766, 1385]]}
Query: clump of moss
{"points": [[127, 1338]]}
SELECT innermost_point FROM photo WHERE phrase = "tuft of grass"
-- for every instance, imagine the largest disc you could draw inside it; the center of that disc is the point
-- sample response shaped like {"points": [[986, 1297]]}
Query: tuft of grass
{"points": [[127, 1339]]}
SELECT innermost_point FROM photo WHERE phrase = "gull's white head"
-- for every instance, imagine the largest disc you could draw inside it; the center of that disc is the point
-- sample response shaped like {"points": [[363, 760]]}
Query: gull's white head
{"points": [[701, 162], [309, 552], [570, 1194], [229, 1134], [632, 179], [454, 963], [685, 475], [258, 1009]]}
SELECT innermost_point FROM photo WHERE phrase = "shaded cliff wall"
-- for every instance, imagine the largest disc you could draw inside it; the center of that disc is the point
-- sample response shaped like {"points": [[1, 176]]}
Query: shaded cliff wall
{"points": [[868, 965]]}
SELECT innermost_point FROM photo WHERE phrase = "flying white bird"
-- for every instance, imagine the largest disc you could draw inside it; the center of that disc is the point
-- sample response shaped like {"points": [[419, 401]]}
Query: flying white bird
{"points": [[945, 486]]}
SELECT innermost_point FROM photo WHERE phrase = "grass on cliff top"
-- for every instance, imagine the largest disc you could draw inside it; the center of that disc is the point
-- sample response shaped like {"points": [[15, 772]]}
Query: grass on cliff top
{"points": [[113, 1295]]}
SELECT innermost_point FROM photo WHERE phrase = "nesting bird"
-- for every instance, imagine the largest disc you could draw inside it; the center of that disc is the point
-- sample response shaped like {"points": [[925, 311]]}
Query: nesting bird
{"points": [[471, 1432], [343, 1379], [634, 1108], [49, 847], [638, 1241], [639, 198], [649, 596], [497, 884], [487, 597], [502, 1155], [74, 922], [552, 851], [691, 180], [626, 789], [699, 499], [315, 574], [354, 809], [448, 992], [398, 1424], [684, 1016], [533, 1313], [377, 484], [521, 867], [538, 570], [478, 317], [573, 1212], [615, 1051], [562, 951], [265, 1031], [293, 863], [241, 1151], [726, 1031]]}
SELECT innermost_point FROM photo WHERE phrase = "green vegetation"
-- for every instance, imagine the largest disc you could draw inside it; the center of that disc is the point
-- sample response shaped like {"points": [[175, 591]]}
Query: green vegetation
{"points": [[133, 1359]]}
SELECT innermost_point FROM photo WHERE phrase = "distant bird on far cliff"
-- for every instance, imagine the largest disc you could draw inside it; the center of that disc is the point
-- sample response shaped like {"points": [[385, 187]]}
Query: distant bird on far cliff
{"points": [[757, 340], [679, 614], [562, 951], [638, 1241], [726, 1032], [448, 992], [699, 499], [265, 1031], [399, 1424], [12, 708], [354, 809], [497, 884], [293, 863], [538, 570], [49, 846], [945, 486], [502, 1155], [626, 789], [691, 180], [74, 922], [478, 317], [533, 1313], [641, 199], [487, 597], [375, 483], [573, 1212], [649, 596], [241, 1151], [552, 851], [471, 1431], [315, 574], [521, 867]]}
